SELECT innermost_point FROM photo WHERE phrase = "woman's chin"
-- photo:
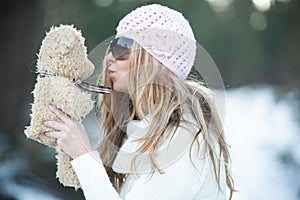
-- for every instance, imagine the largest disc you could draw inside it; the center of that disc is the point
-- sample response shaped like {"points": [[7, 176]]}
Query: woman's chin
{"points": [[120, 89]]}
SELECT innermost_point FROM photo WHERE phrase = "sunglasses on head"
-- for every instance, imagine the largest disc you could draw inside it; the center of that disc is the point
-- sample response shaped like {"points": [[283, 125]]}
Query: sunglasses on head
{"points": [[120, 48]]}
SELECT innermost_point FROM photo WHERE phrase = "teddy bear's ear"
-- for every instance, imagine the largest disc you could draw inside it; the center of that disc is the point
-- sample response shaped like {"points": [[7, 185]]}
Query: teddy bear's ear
{"points": [[66, 40], [60, 40]]}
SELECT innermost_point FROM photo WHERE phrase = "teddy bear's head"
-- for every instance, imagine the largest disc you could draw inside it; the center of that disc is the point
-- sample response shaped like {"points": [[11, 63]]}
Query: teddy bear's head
{"points": [[63, 53]]}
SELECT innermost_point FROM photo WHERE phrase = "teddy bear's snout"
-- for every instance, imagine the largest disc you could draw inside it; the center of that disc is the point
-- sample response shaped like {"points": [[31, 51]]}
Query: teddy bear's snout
{"points": [[87, 69]]}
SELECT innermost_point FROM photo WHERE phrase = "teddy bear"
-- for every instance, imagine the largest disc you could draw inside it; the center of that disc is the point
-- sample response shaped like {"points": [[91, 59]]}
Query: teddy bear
{"points": [[62, 61]]}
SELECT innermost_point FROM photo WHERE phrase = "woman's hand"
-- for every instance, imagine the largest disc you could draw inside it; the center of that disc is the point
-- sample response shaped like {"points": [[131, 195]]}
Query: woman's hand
{"points": [[70, 134]]}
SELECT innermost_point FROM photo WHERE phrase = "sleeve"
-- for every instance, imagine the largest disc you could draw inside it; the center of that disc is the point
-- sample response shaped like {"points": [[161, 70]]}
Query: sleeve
{"points": [[93, 178], [180, 181]]}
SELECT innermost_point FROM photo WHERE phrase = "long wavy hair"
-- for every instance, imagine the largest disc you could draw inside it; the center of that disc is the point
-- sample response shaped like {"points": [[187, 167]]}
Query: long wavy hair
{"points": [[155, 89]]}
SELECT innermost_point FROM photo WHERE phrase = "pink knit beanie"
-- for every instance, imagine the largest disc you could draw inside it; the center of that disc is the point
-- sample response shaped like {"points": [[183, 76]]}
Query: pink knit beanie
{"points": [[164, 33]]}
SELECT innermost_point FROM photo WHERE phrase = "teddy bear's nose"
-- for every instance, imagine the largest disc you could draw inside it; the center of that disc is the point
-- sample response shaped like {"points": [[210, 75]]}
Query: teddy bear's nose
{"points": [[88, 69]]}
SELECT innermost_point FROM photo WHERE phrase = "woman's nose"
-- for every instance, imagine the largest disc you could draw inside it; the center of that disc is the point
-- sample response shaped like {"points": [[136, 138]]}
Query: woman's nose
{"points": [[110, 58]]}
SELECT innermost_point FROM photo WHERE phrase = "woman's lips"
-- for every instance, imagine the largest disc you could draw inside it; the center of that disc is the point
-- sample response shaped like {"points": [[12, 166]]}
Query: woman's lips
{"points": [[110, 71]]}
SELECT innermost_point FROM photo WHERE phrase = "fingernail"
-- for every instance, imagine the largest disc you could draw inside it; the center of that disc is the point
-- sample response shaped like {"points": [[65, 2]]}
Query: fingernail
{"points": [[51, 107], [45, 122]]}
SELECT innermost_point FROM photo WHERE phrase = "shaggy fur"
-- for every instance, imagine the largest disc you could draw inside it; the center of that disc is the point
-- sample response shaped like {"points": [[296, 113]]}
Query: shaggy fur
{"points": [[63, 56]]}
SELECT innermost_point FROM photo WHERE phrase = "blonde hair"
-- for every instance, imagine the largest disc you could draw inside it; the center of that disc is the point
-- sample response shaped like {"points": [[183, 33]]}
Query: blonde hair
{"points": [[165, 95]]}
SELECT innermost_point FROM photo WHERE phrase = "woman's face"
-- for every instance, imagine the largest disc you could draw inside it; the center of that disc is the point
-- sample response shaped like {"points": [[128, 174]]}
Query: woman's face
{"points": [[118, 72], [117, 60]]}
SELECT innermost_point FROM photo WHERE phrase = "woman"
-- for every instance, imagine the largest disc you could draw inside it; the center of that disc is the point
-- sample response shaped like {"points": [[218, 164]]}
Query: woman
{"points": [[162, 135]]}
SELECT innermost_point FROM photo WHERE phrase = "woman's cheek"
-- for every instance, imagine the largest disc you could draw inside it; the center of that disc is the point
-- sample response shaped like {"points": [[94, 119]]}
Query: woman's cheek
{"points": [[121, 85]]}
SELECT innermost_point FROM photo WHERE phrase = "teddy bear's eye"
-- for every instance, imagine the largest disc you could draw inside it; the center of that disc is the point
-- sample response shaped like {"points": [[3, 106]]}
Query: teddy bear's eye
{"points": [[50, 57]]}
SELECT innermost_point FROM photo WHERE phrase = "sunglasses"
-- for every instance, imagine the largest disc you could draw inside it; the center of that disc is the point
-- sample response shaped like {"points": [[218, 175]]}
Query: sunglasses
{"points": [[120, 48]]}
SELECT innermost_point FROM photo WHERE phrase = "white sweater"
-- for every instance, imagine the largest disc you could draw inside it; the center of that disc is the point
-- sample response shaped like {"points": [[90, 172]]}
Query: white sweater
{"points": [[180, 180]]}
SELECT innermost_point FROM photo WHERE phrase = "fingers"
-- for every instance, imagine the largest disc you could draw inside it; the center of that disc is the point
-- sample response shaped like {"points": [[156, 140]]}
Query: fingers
{"points": [[54, 134], [58, 135], [60, 114], [56, 125]]}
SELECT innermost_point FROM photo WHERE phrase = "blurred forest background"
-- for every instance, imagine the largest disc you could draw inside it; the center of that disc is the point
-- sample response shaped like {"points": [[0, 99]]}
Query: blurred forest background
{"points": [[252, 42]]}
